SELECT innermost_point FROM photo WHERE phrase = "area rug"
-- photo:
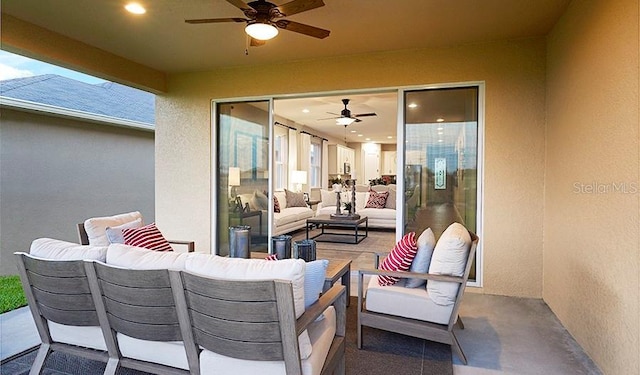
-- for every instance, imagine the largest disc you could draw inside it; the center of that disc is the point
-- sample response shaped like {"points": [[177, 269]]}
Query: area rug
{"points": [[383, 353]]}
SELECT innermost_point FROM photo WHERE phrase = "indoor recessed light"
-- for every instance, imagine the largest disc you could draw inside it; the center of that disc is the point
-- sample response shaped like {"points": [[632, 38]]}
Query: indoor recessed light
{"points": [[305, 111], [359, 135], [412, 105], [135, 8], [440, 119], [367, 139], [440, 140], [440, 128], [389, 137], [354, 131], [440, 133]]}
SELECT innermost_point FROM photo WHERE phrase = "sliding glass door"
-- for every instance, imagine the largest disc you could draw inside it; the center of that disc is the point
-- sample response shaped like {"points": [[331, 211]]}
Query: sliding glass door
{"points": [[242, 167], [441, 159]]}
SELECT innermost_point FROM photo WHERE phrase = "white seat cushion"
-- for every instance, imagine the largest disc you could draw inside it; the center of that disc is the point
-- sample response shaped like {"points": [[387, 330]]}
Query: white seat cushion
{"points": [[285, 216], [48, 248], [378, 213], [87, 337], [411, 303], [321, 334], [169, 353]]}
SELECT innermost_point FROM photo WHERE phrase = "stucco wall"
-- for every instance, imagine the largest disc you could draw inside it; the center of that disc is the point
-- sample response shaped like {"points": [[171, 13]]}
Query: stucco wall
{"points": [[55, 173], [592, 196], [514, 73]]}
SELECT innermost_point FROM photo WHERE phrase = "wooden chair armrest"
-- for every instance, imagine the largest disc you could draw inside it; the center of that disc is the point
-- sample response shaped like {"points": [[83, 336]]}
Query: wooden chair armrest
{"points": [[413, 275], [336, 296], [191, 245]]}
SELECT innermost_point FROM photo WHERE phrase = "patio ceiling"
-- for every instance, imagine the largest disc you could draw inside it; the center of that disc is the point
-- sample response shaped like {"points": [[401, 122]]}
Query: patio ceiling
{"points": [[161, 40]]}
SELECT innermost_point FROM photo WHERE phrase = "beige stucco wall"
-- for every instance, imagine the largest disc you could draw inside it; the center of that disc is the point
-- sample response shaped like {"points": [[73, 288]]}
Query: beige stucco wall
{"points": [[514, 73], [591, 240]]}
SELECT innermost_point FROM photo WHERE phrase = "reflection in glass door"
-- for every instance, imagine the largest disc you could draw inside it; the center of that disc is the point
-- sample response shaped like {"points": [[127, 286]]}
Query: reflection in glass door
{"points": [[441, 159], [242, 149]]}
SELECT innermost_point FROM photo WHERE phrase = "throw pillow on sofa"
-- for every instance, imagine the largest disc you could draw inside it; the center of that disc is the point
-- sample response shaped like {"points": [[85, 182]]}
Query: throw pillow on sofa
{"points": [[295, 199], [449, 258], [391, 200], [377, 199], [148, 237], [426, 242], [399, 259], [328, 198]]}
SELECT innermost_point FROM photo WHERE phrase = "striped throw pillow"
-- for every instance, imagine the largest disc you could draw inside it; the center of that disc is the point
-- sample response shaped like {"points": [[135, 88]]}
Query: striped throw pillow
{"points": [[276, 204], [399, 259], [148, 237]]}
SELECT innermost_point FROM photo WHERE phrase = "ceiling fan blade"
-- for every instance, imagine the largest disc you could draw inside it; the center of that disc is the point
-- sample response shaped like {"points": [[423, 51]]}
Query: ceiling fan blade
{"points": [[256, 43], [357, 119], [298, 6], [328, 118], [301, 28], [239, 4], [365, 114], [216, 20]]}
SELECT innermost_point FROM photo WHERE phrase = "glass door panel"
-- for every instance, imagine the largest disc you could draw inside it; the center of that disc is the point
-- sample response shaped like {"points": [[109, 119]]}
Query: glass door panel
{"points": [[441, 159], [243, 172]]}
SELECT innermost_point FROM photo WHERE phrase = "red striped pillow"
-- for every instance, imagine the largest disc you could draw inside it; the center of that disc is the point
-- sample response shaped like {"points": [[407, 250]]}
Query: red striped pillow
{"points": [[400, 258], [148, 237]]}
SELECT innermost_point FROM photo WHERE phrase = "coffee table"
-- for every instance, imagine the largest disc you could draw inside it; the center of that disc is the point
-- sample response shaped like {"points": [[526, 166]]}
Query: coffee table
{"points": [[325, 221]]}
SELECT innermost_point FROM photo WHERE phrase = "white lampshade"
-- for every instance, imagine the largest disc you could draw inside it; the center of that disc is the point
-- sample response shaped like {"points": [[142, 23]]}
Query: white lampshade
{"points": [[299, 177], [261, 31], [345, 121], [234, 176]]}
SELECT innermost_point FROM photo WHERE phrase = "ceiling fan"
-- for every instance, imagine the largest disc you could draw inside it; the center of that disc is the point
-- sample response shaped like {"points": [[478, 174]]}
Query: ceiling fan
{"points": [[265, 18], [345, 117]]}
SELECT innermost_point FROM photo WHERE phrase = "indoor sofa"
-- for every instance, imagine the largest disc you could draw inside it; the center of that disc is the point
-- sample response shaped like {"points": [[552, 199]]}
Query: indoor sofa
{"points": [[382, 217], [290, 214]]}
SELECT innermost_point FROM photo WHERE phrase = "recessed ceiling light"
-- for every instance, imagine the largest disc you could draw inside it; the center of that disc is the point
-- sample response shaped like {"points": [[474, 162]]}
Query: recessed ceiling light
{"points": [[367, 139], [440, 140], [359, 135], [135, 8], [389, 137], [354, 131], [412, 105], [440, 133], [440, 128], [305, 111], [440, 119]]}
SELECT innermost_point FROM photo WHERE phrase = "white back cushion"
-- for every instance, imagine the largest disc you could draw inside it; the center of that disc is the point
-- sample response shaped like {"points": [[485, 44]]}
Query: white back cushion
{"points": [[138, 258], [282, 199], [449, 258], [49, 248], [96, 227]]}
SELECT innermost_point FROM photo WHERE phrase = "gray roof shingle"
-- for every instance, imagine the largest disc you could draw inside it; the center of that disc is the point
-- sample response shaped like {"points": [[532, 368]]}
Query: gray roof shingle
{"points": [[108, 99]]}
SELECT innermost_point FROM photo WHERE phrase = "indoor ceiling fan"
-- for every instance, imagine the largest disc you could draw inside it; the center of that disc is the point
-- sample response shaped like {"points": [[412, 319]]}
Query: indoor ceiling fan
{"points": [[265, 18], [345, 117]]}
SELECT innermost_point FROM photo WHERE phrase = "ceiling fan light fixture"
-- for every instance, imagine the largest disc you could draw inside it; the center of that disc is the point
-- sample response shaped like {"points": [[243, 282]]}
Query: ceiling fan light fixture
{"points": [[345, 121], [261, 31]]}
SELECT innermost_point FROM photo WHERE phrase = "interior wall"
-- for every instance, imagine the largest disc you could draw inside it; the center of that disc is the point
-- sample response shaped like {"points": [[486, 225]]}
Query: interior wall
{"points": [[514, 73], [592, 197]]}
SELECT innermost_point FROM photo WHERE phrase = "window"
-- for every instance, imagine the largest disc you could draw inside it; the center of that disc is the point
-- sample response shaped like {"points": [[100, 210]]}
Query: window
{"points": [[280, 157], [315, 163]]}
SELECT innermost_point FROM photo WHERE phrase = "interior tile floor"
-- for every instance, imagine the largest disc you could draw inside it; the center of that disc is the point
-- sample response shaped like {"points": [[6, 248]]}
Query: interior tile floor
{"points": [[507, 335]]}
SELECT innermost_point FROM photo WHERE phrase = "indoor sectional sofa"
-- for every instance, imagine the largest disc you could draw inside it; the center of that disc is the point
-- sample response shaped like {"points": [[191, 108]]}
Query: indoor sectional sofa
{"points": [[383, 217], [292, 213], [317, 343]]}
